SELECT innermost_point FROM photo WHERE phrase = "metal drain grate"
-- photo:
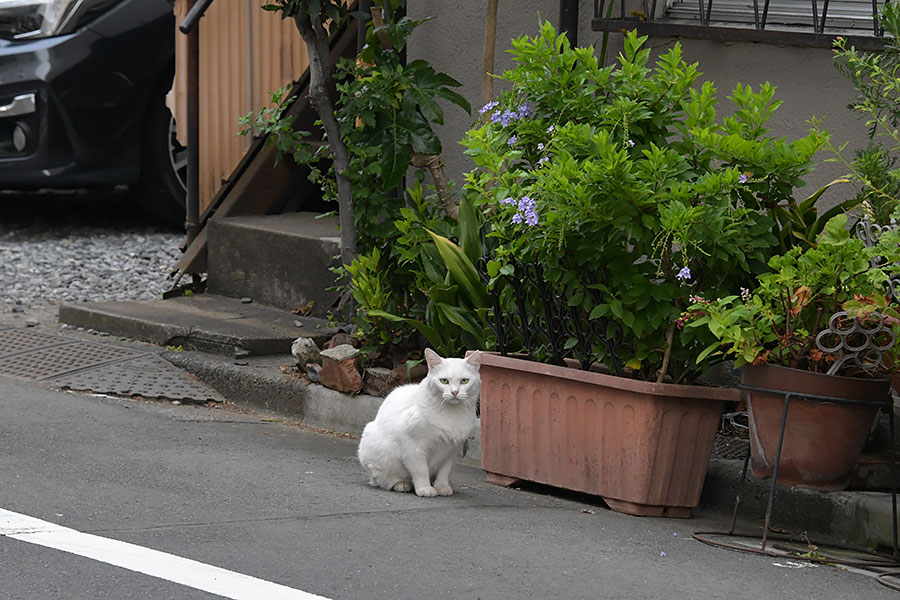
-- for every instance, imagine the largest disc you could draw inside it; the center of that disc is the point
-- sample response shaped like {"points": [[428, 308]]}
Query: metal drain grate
{"points": [[16, 341], [65, 357], [101, 368], [147, 376]]}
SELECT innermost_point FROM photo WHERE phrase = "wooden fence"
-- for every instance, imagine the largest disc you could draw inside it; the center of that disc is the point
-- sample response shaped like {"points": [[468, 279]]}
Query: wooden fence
{"points": [[245, 52]]}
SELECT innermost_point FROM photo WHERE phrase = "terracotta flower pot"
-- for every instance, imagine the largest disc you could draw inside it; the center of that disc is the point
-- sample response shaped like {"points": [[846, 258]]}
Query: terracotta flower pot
{"points": [[643, 447], [822, 441]]}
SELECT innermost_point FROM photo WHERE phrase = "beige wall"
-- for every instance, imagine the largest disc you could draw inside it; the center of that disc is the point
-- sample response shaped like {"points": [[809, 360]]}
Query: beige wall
{"points": [[807, 82], [454, 43]]}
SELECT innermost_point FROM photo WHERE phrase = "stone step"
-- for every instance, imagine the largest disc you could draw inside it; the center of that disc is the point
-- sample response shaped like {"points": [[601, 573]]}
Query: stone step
{"points": [[278, 260], [204, 322]]}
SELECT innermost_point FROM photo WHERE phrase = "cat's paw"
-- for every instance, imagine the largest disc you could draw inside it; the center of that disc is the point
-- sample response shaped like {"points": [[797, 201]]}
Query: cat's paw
{"points": [[444, 490], [426, 492], [402, 486]]}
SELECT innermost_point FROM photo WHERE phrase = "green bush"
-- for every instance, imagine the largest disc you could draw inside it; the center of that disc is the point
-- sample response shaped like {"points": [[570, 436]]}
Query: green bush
{"points": [[626, 172]]}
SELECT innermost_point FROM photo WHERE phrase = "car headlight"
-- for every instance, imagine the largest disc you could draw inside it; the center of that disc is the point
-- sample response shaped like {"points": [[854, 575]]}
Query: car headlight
{"points": [[23, 19]]}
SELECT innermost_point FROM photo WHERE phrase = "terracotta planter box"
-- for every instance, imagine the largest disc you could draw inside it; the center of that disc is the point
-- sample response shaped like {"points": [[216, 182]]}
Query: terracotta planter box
{"points": [[643, 447], [822, 441]]}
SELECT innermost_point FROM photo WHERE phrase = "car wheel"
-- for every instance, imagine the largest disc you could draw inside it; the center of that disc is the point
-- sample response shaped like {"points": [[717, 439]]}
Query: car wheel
{"points": [[163, 185]]}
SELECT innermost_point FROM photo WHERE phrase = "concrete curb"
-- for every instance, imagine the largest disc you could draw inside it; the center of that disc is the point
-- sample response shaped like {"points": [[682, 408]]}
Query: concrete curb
{"points": [[847, 518], [259, 382]]}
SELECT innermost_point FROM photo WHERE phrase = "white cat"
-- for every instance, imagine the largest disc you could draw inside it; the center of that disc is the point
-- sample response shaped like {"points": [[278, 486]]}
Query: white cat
{"points": [[420, 428]]}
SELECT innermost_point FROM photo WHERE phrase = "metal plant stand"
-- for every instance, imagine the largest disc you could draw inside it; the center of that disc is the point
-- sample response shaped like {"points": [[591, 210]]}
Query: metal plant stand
{"points": [[866, 355]]}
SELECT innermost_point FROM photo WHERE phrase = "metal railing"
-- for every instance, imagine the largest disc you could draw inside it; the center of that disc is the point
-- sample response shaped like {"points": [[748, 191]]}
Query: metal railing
{"points": [[748, 20], [189, 27]]}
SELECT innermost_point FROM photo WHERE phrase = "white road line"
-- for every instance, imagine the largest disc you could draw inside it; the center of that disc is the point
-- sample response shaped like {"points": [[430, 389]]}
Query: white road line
{"points": [[184, 571]]}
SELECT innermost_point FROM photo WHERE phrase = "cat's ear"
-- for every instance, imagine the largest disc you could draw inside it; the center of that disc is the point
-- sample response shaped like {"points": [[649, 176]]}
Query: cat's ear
{"points": [[432, 358], [474, 359]]}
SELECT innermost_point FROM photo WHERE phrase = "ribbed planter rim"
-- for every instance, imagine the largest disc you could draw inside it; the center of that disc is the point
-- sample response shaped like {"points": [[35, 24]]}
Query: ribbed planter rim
{"points": [[798, 381], [624, 383]]}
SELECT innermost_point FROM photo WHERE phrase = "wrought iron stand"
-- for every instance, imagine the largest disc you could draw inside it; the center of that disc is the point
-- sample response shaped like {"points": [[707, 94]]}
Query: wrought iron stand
{"points": [[876, 561]]}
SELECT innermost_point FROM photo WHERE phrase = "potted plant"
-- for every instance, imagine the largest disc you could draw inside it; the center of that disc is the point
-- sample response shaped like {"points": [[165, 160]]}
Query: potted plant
{"points": [[817, 325], [610, 194]]}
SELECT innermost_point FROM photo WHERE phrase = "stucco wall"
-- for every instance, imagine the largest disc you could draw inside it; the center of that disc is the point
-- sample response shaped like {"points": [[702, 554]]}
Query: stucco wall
{"points": [[806, 80], [454, 43], [807, 83]]}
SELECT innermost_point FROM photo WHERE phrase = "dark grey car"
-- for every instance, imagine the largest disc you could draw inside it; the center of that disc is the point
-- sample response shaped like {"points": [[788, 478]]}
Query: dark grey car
{"points": [[82, 98]]}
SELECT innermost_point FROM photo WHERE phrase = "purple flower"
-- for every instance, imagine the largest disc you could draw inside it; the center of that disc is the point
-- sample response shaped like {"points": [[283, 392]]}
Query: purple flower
{"points": [[508, 117], [525, 110], [487, 107], [629, 143], [526, 210], [543, 160], [550, 129], [540, 147], [684, 274], [742, 178], [496, 116], [512, 141], [662, 553]]}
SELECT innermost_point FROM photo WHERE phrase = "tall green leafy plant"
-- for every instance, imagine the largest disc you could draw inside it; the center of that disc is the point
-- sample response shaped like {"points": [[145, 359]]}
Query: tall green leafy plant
{"points": [[386, 110], [625, 172], [874, 75], [453, 314]]}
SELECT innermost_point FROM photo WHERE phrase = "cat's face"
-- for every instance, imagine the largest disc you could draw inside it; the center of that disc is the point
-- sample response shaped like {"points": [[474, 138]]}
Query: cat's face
{"points": [[456, 379]]}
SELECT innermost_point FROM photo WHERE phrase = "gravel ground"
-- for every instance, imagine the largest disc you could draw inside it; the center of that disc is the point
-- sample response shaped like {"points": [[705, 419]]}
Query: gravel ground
{"points": [[78, 247]]}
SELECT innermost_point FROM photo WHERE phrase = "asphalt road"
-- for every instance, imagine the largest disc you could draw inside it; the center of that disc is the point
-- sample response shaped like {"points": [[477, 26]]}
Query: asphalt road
{"points": [[265, 499]]}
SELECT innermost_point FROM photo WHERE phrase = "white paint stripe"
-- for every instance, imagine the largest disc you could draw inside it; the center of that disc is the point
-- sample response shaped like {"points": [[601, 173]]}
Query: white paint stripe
{"points": [[184, 571]]}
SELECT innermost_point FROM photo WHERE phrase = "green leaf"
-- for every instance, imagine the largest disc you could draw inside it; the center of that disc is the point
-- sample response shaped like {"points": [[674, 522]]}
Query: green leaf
{"points": [[464, 320], [709, 350], [616, 307], [469, 230], [456, 99], [810, 202], [461, 270]]}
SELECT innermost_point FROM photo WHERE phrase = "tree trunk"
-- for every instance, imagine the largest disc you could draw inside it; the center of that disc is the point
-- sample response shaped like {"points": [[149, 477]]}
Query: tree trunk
{"points": [[435, 166], [317, 44]]}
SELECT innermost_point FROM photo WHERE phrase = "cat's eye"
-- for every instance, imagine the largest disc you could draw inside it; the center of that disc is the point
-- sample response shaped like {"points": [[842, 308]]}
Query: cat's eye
{"points": [[464, 381], [445, 381]]}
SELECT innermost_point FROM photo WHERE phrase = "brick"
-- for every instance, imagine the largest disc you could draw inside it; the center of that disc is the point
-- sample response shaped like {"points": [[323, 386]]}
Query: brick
{"points": [[340, 369], [338, 340], [377, 381]]}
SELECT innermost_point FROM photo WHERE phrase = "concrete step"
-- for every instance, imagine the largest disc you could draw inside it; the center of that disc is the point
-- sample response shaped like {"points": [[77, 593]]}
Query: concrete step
{"points": [[278, 260], [204, 322]]}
